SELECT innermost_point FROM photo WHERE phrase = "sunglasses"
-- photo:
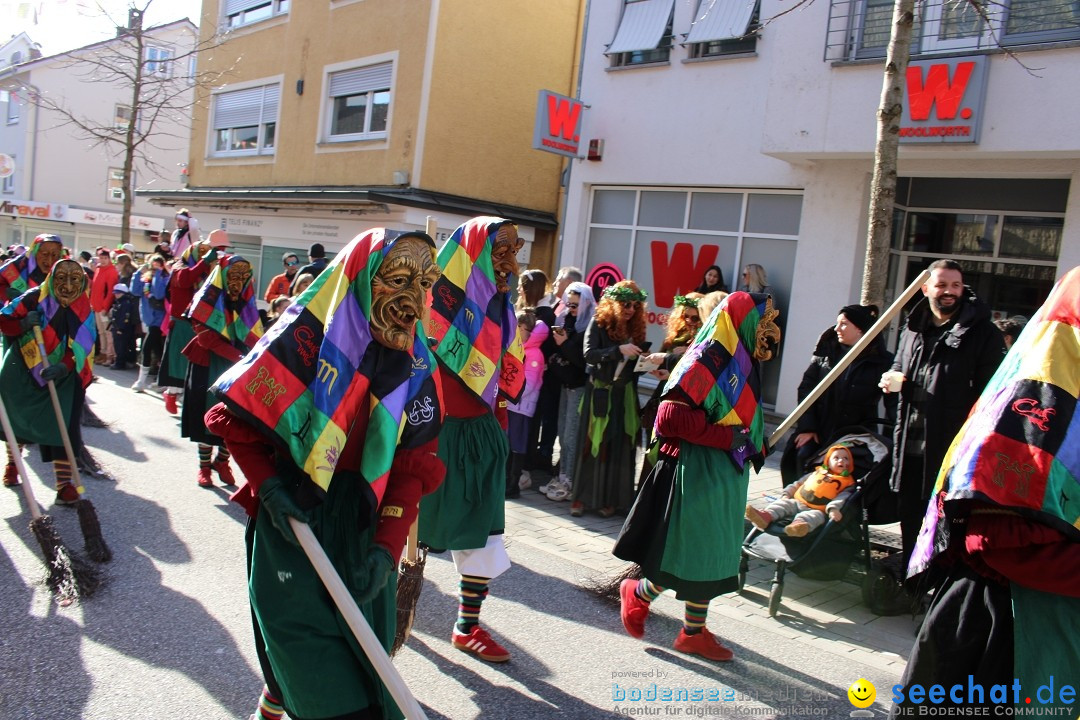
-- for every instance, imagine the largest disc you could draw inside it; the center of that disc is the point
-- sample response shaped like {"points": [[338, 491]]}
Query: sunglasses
{"points": [[692, 319], [630, 303], [290, 263], [572, 306]]}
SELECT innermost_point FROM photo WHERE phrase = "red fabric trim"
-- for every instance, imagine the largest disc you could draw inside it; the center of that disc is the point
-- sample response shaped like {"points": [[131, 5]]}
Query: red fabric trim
{"points": [[253, 454]]}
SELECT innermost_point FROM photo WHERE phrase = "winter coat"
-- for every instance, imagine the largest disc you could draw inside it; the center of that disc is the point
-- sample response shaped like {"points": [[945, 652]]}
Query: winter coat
{"points": [[567, 363], [959, 365], [854, 398], [602, 355], [101, 294], [124, 314], [534, 371], [151, 297]]}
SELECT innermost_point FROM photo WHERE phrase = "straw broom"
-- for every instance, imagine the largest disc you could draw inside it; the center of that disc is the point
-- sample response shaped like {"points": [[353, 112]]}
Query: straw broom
{"points": [[70, 577], [608, 587], [93, 542]]}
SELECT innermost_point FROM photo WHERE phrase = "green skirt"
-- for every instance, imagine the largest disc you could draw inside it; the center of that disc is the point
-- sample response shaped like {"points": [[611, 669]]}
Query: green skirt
{"points": [[29, 405], [316, 660], [173, 368], [686, 526], [470, 504]]}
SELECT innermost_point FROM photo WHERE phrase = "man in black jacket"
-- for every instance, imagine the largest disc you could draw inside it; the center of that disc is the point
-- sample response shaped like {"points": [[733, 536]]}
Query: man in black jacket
{"points": [[949, 349], [317, 256]]}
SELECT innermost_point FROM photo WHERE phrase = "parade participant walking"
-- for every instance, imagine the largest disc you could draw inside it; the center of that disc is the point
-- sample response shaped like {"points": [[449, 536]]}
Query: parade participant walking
{"points": [[686, 527], [1003, 531], [333, 419], [604, 476], [151, 286], [26, 271], [60, 307], [189, 271], [474, 322], [949, 348], [225, 321]]}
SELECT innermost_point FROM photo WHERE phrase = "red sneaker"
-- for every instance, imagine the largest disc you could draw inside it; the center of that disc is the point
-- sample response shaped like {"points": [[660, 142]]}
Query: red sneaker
{"points": [[11, 476], [760, 518], [634, 610], [480, 644], [704, 644], [170, 404], [224, 472], [206, 479], [66, 495]]}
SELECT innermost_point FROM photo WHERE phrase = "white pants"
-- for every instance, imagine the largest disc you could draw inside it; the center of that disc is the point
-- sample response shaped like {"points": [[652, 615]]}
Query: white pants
{"points": [[490, 561]]}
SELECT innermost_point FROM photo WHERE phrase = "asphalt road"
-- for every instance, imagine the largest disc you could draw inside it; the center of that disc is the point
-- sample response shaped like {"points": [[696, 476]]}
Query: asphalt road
{"points": [[169, 633]]}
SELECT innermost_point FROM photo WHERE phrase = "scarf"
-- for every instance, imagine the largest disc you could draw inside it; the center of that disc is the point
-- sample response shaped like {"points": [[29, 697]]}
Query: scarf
{"points": [[237, 322], [586, 305], [475, 327], [1020, 446], [64, 330], [719, 374], [317, 376]]}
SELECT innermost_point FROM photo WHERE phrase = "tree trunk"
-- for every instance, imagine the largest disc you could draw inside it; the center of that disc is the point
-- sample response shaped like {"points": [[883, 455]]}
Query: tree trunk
{"points": [[883, 183]]}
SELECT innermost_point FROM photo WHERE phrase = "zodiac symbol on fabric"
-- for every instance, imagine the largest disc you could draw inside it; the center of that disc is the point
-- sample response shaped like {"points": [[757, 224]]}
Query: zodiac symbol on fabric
{"points": [[447, 297], [305, 345], [418, 364], [274, 389], [509, 373], [733, 381], [326, 370], [698, 385], [715, 357], [476, 368], [1021, 471], [331, 458], [470, 315], [456, 348], [420, 414], [1037, 416], [301, 434]]}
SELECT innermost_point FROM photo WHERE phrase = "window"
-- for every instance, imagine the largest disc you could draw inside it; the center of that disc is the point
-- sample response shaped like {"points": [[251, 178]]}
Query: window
{"points": [[121, 118], [644, 35], [245, 121], [723, 27], [245, 12], [12, 109], [116, 186], [359, 102], [7, 184], [159, 61]]}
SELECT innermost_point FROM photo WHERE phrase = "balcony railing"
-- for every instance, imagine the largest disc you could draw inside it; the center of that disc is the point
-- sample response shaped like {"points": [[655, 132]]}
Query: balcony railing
{"points": [[860, 28]]}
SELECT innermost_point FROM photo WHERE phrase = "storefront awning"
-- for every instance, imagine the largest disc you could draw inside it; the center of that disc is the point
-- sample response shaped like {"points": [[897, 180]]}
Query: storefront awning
{"points": [[642, 26], [344, 198], [721, 20]]}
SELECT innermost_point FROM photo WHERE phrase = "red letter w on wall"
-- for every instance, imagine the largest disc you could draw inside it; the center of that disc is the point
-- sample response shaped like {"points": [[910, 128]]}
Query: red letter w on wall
{"points": [[681, 273], [937, 89], [563, 118]]}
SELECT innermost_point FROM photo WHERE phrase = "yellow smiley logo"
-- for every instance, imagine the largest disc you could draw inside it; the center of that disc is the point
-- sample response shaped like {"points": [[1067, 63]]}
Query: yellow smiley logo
{"points": [[862, 693]]}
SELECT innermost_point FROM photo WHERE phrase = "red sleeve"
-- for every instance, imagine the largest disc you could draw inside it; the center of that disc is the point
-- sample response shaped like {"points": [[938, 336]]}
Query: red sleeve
{"points": [[416, 472], [1023, 551], [251, 451], [678, 421], [213, 342], [11, 325], [501, 413], [189, 277]]}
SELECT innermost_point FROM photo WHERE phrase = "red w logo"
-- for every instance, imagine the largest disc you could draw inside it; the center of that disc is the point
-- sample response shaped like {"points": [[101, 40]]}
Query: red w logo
{"points": [[937, 89], [681, 273], [563, 117]]}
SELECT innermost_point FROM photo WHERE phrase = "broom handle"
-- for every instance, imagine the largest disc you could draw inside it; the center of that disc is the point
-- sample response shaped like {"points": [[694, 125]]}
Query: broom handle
{"points": [[410, 546], [16, 455], [76, 480], [848, 358], [347, 606]]}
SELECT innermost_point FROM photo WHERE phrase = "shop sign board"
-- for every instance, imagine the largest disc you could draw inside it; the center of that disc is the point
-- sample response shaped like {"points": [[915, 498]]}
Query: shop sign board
{"points": [[37, 210], [945, 99], [558, 124]]}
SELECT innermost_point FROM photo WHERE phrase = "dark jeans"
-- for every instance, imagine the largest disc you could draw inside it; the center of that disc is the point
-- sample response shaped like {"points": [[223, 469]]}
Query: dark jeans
{"points": [[545, 424], [152, 344]]}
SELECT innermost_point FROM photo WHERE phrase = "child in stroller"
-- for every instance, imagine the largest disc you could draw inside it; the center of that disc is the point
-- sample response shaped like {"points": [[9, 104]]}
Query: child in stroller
{"points": [[815, 495]]}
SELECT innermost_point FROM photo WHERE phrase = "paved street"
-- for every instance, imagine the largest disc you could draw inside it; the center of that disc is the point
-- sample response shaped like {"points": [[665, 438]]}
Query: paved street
{"points": [[169, 635]]}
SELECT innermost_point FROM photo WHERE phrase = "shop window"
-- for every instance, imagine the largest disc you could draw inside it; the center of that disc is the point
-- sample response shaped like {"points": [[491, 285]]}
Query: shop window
{"points": [[245, 121], [770, 214], [724, 27], [644, 35], [715, 211], [159, 61], [1031, 237], [115, 186], [358, 102], [613, 207], [12, 109], [245, 12], [7, 184], [121, 118]]}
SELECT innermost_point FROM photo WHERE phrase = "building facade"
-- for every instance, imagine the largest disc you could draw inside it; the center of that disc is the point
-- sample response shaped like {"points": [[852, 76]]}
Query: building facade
{"points": [[58, 179], [727, 148], [343, 115]]}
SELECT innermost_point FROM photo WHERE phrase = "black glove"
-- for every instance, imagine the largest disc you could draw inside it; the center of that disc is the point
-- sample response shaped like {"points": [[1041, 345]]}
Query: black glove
{"points": [[370, 578], [32, 320], [278, 502], [56, 372]]}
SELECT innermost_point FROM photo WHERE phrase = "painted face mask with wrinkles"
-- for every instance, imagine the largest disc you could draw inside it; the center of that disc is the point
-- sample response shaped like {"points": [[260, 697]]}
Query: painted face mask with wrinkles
{"points": [[237, 276], [504, 256], [68, 282], [399, 291]]}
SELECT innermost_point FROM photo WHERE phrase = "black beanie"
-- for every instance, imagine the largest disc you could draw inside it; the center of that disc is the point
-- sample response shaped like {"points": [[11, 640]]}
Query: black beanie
{"points": [[861, 316]]}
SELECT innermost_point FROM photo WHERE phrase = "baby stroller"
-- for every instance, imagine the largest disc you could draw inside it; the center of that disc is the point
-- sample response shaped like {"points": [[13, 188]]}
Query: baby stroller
{"points": [[828, 552]]}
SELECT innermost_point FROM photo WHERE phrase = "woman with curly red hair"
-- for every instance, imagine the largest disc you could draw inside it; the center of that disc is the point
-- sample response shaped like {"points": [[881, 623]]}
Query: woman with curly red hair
{"points": [[615, 337]]}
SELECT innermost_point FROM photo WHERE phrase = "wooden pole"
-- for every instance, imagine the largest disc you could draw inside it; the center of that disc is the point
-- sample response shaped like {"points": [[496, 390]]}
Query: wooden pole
{"points": [[75, 479]]}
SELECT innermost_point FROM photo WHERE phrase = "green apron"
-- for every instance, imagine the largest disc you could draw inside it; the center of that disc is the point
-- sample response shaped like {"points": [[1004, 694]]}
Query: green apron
{"points": [[28, 404]]}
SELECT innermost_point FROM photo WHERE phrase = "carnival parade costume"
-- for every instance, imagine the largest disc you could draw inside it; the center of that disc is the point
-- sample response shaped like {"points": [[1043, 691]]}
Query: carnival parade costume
{"points": [[60, 307], [478, 351], [334, 419], [685, 529]]}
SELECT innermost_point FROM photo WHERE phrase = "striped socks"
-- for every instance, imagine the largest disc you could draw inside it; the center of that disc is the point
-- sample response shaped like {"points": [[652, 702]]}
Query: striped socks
{"points": [[647, 591], [205, 451], [694, 619], [62, 468], [269, 706], [473, 592], [223, 455]]}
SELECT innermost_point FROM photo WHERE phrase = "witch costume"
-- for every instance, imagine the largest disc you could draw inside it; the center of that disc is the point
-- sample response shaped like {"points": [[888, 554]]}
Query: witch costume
{"points": [[332, 425], [686, 527]]}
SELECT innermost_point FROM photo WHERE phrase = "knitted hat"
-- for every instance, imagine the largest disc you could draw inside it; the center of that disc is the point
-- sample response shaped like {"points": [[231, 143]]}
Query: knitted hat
{"points": [[861, 316], [120, 288]]}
